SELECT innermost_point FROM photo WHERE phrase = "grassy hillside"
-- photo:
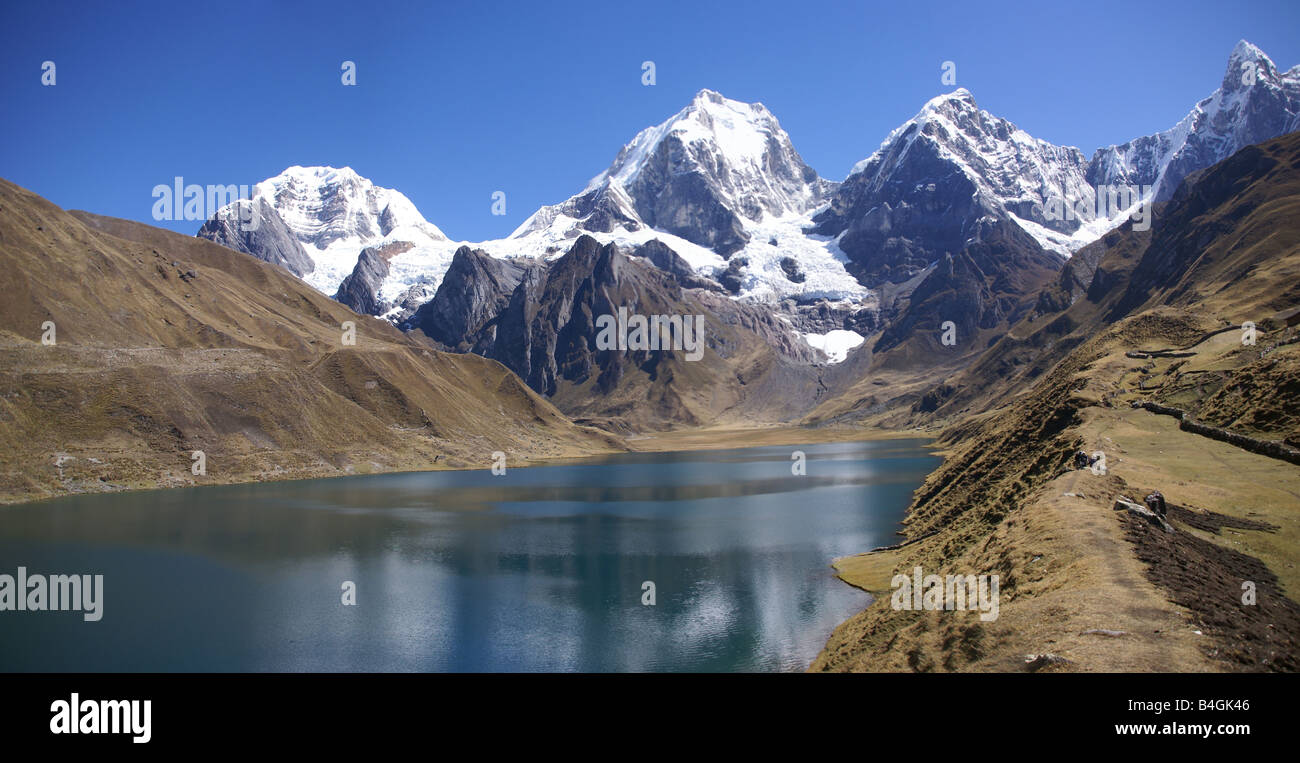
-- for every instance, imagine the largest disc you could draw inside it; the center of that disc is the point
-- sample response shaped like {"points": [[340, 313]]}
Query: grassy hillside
{"points": [[166, 344]]}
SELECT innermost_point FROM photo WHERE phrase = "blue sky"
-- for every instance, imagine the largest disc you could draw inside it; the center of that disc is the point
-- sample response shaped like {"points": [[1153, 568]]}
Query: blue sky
{"points": [[457, 100]]}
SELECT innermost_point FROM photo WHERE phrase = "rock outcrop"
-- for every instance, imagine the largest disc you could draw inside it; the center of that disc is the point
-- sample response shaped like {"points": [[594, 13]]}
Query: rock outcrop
{"points": [[254, 227], [473, 294]]}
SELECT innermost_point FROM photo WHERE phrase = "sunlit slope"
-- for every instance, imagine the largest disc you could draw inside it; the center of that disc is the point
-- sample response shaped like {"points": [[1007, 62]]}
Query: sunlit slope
{"points": [[166, 344]]}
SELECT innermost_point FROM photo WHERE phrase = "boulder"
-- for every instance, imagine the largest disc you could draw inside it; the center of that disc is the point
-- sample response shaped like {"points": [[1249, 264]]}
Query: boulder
{"points": [[1138, 510]]}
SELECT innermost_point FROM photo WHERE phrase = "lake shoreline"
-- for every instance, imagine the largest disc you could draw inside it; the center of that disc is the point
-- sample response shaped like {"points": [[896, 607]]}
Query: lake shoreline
{"points": [[551, 577], [673, 441]]}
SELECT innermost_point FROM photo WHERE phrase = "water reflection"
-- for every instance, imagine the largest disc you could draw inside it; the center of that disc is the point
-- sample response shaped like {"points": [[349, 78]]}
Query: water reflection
{"points": [[540, 569]]}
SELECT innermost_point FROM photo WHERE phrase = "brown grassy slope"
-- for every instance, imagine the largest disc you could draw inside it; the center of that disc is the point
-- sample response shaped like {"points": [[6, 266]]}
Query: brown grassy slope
{"points": [[1005, 503], [240, 360], [1222, 252]]}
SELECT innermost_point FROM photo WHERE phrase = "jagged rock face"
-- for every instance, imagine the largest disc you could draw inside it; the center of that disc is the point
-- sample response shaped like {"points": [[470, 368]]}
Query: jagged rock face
{"points": [[408, 302], [513, 340], [989, 283], [892, 228], [942, 215], [954, 291], [601, 210], [664, 258], [524, 316], [922, 193], [1236, 115], [360, 290], [700, 175], [1222, 248], [474, 292], [255, 228], [1082, 273], [821, 316], [545, 330], [1072, 282], [551, 319], [685, 203]]}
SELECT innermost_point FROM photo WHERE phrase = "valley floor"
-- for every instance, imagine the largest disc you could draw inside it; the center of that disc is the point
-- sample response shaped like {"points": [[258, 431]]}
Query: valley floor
{"points": [[712, 438]]}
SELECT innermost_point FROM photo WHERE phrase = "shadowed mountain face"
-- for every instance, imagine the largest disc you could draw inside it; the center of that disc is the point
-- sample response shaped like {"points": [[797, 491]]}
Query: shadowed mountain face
{"points": [[165, 344], [543, 321], [935, 179], [931, 219], [987, 285], [1225, 248], [1188, 260], [262, 234], [475, 291], [360, 290]]}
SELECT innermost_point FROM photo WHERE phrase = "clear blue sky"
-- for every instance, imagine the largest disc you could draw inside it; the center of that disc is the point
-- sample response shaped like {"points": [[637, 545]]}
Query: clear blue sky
{"points": [[457, 100]]}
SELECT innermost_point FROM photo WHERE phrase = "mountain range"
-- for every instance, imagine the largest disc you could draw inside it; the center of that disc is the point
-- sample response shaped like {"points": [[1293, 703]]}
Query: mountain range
{"points": [[721, 185], [948, 223]]}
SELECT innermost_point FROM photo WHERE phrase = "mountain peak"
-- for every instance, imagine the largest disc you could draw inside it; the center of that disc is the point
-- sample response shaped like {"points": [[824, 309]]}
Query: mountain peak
{"points": [[706, 98], [711, 96], [1245, 54], [715, 175], [319, 173], [1246, 51], [958, 100], [941, 109], [739, 147], [328, 216], [960, 94]]}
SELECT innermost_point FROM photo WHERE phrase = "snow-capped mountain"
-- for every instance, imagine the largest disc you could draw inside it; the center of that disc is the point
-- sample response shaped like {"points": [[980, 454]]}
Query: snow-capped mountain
{"points": [[933, 181], [721, 184], [936, 176], [732, 206], [700, 175], [1255, 102], [333, 217]]}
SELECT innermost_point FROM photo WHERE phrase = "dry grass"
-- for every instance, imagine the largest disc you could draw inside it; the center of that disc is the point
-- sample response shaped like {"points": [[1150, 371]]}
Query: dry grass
{"points": [[240, 360]]}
